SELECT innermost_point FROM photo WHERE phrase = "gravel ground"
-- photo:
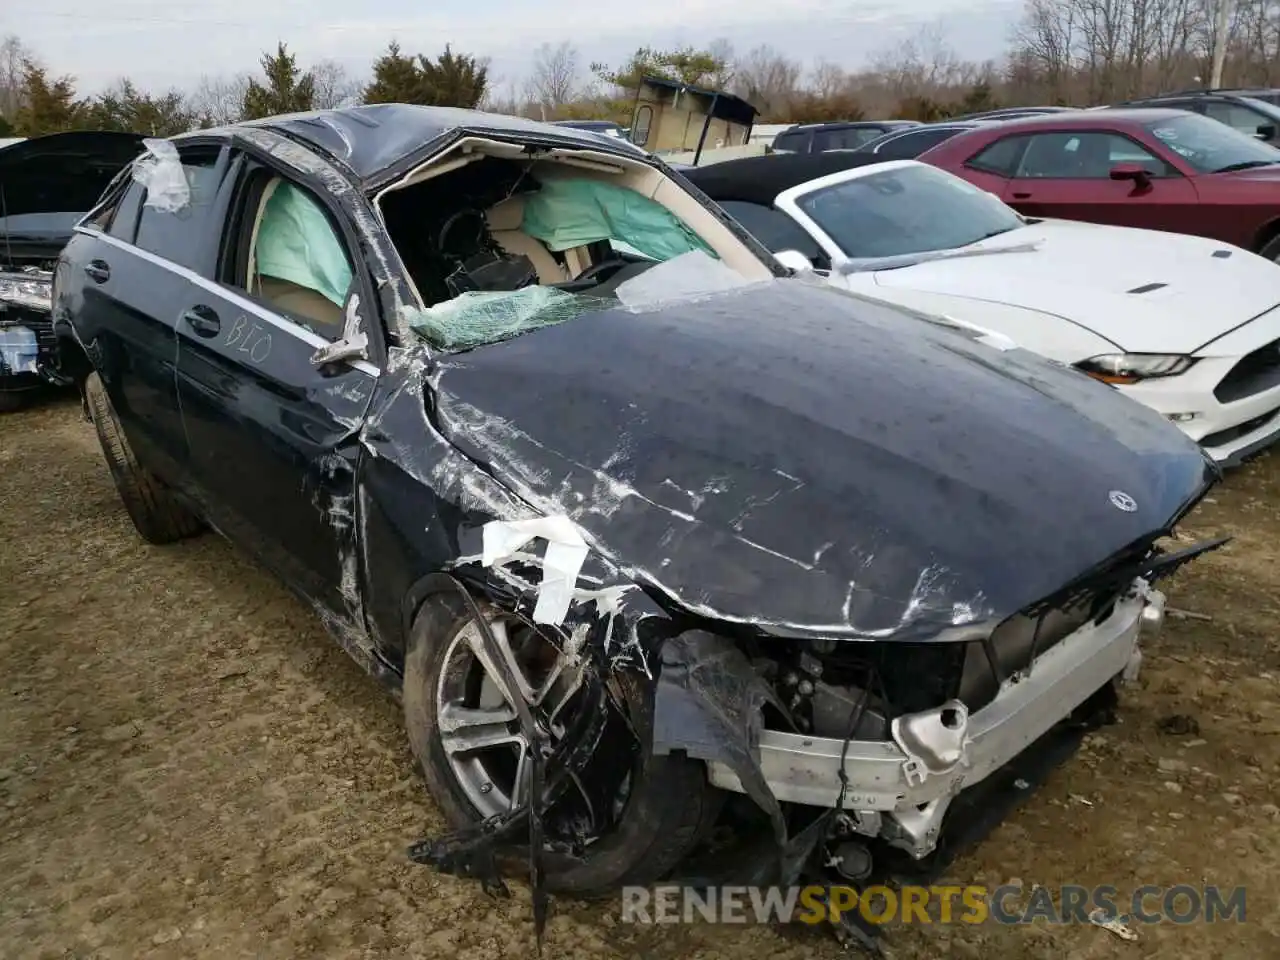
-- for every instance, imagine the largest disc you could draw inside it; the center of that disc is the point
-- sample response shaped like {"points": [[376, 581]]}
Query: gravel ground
{"points": [[189, 767]]}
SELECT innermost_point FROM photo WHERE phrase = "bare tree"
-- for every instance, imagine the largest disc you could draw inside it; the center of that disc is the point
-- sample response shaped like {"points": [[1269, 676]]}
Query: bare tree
{"points": [[556, 75], [827, 79], [219, 100], [721, 51], [334, 86], [766, 79], [1045, 42], [920, 65], [13, 56]]}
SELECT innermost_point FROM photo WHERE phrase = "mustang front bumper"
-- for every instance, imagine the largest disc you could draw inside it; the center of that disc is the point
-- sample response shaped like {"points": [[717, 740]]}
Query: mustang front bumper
{"points": [[1229, 401], [900, 789]]}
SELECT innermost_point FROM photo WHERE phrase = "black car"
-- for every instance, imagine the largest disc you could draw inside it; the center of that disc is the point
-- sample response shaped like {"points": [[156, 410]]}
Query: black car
{"points": [[910, 143], [46, 185], [843, 135], [631, 517], [1248, 114]]}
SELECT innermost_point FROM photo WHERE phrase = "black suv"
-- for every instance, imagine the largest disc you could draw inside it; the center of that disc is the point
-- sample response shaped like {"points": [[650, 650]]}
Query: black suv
{"points": [[1244, 112], [559, 452], [845, 135]]}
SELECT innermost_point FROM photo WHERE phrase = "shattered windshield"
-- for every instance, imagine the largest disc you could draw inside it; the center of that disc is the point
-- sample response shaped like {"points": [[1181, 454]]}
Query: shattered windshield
{"points": [[917, 209], [474, 317], [1211, 146]]}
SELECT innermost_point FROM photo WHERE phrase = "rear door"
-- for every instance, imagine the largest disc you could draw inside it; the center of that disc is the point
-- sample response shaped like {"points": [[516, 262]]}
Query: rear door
{"points": [[1067, 174], [134, 278], [273, 433]]}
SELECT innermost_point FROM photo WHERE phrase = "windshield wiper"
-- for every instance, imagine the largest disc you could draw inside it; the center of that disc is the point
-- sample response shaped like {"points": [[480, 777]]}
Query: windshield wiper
{"points": [[996, 233], [1245, 165]]}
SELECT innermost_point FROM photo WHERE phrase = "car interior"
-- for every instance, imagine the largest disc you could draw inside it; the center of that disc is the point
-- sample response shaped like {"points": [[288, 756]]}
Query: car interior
{"points": [[1088, 155], [289, 254], [488, 216]]}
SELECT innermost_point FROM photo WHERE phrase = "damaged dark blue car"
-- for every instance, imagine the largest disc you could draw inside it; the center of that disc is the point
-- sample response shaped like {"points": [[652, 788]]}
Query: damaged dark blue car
{"points": [[649, 534]]}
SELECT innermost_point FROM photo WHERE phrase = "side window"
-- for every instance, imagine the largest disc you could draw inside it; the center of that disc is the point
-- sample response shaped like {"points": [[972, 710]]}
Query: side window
{"points": [[1084, 155], [1235, 116], [181, 235], [640, 126], [843, 138], [791, 142], [113, 195], [775, 230], [290, 255], [1000, 158], [124, 224]]}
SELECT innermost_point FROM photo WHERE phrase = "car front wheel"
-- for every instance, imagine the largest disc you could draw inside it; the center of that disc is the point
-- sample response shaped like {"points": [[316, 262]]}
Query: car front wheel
{"points": [[464, 733]]}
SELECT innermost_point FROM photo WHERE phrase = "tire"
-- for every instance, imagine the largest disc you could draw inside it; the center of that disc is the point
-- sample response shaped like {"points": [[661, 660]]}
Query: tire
{"points": [[669, 809], [156, 514], [1271, 250], [11, 401]]}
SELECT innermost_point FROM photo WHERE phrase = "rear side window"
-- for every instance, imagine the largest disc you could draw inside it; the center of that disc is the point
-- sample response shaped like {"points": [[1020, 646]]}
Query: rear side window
{"points": [[1000, 157], [844, 138], [791, 142], [182, 236], [124, 224]]}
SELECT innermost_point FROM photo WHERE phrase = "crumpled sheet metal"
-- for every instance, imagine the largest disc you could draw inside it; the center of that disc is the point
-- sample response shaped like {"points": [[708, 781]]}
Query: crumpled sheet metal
{"points": [[160, 171], [709, 703], [565, 553]]}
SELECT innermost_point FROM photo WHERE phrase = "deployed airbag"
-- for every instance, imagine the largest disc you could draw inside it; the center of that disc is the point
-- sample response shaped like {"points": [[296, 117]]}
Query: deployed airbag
{"points": [[577, 211], [297, 243]]}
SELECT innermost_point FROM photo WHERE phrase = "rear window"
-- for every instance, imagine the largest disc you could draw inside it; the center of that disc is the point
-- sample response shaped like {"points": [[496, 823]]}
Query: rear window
{"points": [[908, 146]]}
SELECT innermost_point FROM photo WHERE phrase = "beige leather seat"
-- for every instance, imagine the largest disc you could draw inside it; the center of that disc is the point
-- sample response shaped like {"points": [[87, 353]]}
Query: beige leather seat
{"points": [[505, 220], [323, 314]]}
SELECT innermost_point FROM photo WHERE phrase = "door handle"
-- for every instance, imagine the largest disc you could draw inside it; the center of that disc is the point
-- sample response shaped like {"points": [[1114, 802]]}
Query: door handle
{"points": [[1022, 196], [97, 271], [203, 321]]}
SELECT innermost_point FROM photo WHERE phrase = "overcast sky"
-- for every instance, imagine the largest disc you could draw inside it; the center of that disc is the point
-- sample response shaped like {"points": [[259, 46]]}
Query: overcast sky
{"points": [[162, 43]]}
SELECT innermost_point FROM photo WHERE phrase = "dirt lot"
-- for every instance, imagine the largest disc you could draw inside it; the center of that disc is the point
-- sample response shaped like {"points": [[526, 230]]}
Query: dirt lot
{"points": [[189, 767]]}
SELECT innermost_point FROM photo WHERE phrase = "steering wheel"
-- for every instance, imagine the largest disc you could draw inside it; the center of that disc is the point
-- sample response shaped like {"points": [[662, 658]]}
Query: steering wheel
{"points": [[453, 221], [597, 268]]}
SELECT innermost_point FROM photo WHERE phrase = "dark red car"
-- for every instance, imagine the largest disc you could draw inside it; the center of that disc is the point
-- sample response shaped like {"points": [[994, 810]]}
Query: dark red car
{"points": [[1154, 168]]}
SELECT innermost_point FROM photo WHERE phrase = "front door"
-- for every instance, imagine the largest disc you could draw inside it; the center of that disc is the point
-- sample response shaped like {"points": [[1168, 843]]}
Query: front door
{"points": [[274, 436], [1067, 174]]}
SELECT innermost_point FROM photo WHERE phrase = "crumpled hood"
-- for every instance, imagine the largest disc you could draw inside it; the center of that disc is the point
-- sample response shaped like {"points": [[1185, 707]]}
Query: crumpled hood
{"points": [[804, 459], [1146, 291]]}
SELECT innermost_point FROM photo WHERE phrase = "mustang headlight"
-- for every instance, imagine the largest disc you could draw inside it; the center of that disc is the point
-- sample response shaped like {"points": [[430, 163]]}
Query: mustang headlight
{"points": [[1125, 368], [26, 291]]}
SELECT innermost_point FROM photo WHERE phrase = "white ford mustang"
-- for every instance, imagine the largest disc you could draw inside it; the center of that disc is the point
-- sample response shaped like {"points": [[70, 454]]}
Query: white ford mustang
{"points": [[1188, 326]]}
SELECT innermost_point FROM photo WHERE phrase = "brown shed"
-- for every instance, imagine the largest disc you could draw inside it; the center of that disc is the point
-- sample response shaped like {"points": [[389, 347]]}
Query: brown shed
{"points": [[673, 116]]}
